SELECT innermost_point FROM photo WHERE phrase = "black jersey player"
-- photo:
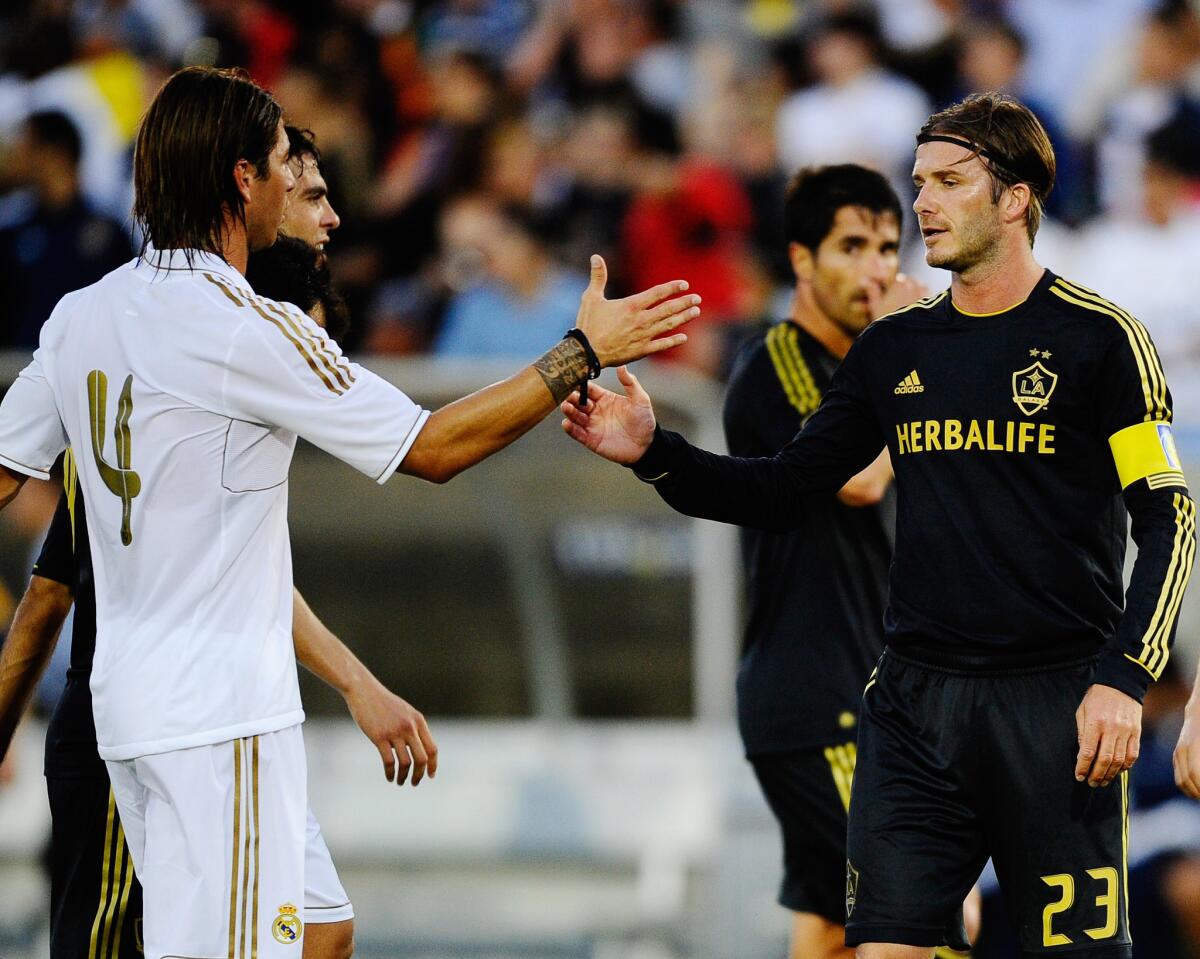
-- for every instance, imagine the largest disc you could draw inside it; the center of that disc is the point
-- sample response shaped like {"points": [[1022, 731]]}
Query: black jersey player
{"points": [[1027, 420], [816, 595]]}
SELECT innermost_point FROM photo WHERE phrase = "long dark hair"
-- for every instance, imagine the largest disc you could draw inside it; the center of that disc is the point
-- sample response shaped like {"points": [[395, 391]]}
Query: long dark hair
{"points": [[202, 122]]}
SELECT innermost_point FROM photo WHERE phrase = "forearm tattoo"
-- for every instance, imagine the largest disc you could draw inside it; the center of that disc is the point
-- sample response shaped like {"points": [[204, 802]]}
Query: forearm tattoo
{"points": [[563, 368]]}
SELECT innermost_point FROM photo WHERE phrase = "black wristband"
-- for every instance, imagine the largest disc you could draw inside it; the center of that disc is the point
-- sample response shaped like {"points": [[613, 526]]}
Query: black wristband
{"points": [[593, 361]]}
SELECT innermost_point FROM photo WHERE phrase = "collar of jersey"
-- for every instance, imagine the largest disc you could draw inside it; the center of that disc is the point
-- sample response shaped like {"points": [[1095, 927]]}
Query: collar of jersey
{"points": [[202, 262], [1009, 312]]}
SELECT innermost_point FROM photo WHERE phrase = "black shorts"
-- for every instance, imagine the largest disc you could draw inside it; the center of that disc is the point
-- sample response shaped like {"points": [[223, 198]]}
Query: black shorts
{"points": [[95, 899], [955, 768], [809, 791]]}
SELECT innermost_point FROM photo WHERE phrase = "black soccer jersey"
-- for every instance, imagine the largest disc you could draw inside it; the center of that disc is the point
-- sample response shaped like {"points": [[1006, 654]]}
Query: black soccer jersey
{"points": [[1013, 436], [816, 595], [66, 558]]}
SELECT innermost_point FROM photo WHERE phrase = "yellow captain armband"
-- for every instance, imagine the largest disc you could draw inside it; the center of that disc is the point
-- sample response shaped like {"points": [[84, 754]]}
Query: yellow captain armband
{"points": [[1147, 451]]}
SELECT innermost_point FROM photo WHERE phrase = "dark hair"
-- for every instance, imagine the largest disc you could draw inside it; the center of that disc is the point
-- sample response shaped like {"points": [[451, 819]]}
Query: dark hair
{"points": [[302, 143], [1176, 144], [201, 123], [815, 194], [291, 271], [999, 27], [1010, 141], [54, 129]]}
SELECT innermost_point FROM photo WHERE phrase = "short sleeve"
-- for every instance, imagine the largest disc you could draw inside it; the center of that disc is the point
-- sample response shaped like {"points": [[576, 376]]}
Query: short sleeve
{"points": [[31, 430], [56, 561], [284, 371]]}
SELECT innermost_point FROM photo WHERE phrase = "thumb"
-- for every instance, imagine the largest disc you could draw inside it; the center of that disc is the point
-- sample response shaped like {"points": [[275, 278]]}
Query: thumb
{"points": [[633, 389], [599, 275]]}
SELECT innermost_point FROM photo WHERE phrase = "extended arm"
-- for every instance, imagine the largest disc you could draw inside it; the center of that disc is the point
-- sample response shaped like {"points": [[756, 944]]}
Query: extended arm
{"points": [[395, 727], [839, 440], [27, 650], [469, 430], [10, 485]]}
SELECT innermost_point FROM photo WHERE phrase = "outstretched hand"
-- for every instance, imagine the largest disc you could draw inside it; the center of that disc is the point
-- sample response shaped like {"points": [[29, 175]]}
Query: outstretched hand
{"points": [[625, 330], [619, 428], [1187, 755]]}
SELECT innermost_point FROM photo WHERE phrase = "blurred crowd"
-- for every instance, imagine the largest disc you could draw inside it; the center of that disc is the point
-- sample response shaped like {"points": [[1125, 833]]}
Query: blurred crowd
{"points": [[478, 150]]}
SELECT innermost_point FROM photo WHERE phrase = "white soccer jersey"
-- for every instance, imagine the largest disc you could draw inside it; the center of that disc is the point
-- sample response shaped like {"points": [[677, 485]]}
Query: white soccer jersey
{"points": [[182, 393]]}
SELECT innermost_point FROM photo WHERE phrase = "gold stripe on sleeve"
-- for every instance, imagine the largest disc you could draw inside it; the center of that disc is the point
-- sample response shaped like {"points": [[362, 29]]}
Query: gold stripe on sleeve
{"points": [[1143, 352], [808, 385], [224, 288], [1153, 364], [1154, 642], [299, 348], [105, 880], [108, 934], [247, 861], [237, 844], [782, 371], [325, 359]]}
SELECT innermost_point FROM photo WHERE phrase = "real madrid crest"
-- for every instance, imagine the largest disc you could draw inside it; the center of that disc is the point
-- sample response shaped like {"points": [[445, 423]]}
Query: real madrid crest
{"points": [[1032, 388], [287, 926]]}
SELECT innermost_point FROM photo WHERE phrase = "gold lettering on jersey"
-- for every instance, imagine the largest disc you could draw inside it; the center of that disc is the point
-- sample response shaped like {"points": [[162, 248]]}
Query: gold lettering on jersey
{"points": [[1032, 388], [991, 436], [121, 480]]}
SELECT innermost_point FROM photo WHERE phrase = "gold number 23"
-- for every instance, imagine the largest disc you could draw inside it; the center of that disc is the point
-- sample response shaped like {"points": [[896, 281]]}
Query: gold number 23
{"points": [[1065, 884], [121, 480]]}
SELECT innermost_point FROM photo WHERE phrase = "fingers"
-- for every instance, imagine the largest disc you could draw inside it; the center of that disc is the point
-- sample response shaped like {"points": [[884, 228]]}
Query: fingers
{"points": [[647, 298], [665, 343], [599, 278], [420, 759], [673, 313], [1187, 772], [431, 749], [389, 759], [1089, 742]]}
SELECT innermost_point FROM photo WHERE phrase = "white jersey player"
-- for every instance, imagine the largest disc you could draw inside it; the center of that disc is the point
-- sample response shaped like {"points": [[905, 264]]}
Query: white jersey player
{"points": [[182, 393]]}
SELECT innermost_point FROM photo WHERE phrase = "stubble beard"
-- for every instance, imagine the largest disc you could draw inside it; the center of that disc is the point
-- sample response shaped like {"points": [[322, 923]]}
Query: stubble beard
{"points": [[978, 243]]}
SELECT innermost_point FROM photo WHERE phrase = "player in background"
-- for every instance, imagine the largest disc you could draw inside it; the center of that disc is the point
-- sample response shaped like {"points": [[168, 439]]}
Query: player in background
{"points": [[295, 268], [816, 596], [188, 391], [95, 900], [1027, 420]]}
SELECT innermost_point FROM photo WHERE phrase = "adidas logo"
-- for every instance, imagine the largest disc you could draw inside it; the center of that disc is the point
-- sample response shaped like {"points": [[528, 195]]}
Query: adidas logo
{"points": [[910, 384]]}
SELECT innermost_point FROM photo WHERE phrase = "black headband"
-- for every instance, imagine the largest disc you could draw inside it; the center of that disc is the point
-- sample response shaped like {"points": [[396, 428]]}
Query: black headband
{"points": [[1004, 165]]}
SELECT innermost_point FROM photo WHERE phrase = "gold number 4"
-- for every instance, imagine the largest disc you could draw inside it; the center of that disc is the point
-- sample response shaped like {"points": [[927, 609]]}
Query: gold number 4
{"points": [[1066, 886], [121, 480]]}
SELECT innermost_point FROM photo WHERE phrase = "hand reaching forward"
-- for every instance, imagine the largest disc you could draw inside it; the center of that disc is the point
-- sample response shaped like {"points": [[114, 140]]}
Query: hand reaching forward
{"points": [[1187, 755], [625, 330], [398, 731], [617, 427], [1109, 724]]}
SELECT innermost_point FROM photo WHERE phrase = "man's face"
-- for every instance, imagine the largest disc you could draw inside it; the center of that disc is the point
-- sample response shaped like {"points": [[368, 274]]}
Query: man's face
{"points": [[309, 216], [269, 196], [959, 220], [857, 260]]}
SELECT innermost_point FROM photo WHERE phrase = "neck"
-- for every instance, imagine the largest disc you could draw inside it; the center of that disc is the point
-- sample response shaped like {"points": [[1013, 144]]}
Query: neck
{"points": [[807, 315], [235, 245], [998, 283]]}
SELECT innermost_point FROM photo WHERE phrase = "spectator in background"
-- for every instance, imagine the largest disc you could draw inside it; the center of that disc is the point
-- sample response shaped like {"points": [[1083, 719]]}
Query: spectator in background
{"points": [[693, 216], [54, 243], [856, 111], [1147, 258], [521, 296], [992, 56]]}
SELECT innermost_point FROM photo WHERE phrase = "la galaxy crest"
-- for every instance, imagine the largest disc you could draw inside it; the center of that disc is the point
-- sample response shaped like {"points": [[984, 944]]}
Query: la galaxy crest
{"points": [[287, 926], [1032, 388], [851, 887]]}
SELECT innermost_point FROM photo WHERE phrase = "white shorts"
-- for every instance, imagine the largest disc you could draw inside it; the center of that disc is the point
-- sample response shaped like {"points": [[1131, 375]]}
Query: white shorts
{"points": [[230, 856]]}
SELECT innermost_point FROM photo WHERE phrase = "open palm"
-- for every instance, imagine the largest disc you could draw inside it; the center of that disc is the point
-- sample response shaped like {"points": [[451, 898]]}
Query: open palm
{"points": [[617, 427]]}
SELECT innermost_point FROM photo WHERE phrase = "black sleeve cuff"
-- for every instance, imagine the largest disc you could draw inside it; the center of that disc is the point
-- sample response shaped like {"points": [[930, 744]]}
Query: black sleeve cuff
{"points": [[1117, 670], [659, 459]]}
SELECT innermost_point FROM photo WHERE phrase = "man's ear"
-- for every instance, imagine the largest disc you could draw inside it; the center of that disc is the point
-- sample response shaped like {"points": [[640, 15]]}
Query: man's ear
{"points": [[1016, 201], [243, 173], [803, 263]]}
